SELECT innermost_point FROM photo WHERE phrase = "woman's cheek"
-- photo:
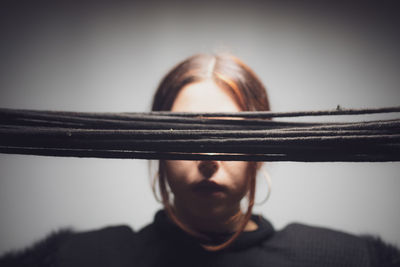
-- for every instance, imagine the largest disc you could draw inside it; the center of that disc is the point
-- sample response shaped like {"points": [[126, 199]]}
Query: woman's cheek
{"points": [[238, 173], [179, 172]]}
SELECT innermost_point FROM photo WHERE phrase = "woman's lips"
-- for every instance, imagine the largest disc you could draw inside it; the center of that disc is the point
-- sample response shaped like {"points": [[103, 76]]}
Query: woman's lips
{"points": [[209, 188]]}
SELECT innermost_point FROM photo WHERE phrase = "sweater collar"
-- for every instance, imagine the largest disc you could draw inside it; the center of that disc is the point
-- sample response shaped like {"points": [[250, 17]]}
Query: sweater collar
{"points": [[246, 239]]}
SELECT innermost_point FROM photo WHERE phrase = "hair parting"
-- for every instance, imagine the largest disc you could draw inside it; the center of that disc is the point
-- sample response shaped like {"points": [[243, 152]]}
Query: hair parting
{"points": [[211, 67]]}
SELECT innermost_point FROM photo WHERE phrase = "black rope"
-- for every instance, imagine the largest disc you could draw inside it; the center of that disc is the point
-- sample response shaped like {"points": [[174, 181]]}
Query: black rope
{"points": [[167, 135], [269, 114]]}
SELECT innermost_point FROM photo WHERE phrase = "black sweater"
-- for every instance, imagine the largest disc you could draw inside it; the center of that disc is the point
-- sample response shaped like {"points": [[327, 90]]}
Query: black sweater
{"points": [[164, 244]]}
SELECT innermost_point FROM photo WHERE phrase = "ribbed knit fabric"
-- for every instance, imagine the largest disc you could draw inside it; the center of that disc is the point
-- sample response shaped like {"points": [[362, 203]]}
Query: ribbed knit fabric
{"points": [[164, 244], [295, 245]]}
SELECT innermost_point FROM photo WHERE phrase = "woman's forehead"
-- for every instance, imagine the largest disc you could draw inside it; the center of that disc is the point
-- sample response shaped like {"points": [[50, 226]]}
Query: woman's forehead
{"points": [[204, 96]]}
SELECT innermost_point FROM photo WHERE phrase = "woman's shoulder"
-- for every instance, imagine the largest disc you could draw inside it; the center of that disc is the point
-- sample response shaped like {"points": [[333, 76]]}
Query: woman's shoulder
{"points": [[41, 253], [328, 245], [76, 248], [94, 238]]}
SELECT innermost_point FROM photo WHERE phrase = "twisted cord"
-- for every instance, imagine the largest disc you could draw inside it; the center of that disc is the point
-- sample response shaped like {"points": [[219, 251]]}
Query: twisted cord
{"points": [[200, 136]]}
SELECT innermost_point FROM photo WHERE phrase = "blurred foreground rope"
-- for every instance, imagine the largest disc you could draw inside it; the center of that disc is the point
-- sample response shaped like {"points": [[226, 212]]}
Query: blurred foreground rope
{"points": [[247, 136]]}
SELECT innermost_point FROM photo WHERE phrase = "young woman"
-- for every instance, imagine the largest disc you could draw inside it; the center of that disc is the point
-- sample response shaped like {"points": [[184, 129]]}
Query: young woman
{"points": [[202, 223]]}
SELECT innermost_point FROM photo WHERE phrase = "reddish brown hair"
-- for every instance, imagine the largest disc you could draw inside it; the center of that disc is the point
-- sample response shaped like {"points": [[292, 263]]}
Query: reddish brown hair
{"points": [[227, 72]]}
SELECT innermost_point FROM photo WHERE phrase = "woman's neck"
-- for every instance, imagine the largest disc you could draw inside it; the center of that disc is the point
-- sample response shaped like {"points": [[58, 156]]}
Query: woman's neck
{"points": [[226, 221]]}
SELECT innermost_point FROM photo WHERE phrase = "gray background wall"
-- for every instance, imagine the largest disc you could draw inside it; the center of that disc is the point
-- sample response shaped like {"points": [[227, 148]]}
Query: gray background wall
{"points": [[109, 57]]}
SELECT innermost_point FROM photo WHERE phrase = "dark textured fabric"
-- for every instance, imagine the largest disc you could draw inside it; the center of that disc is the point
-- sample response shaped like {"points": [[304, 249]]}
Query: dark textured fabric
{"points": [[163, 244], [41, 253]]}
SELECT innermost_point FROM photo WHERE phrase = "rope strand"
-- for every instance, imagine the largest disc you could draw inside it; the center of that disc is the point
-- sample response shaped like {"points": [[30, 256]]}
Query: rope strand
{"points": [[167, 135]]}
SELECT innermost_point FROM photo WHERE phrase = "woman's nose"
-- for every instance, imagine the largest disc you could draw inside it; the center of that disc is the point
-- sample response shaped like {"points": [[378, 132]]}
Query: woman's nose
{"points": [[207, 168]]}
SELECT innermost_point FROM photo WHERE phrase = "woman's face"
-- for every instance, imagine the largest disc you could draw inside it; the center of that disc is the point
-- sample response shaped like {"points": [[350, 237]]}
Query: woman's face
{"points": [[205, 188]]}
